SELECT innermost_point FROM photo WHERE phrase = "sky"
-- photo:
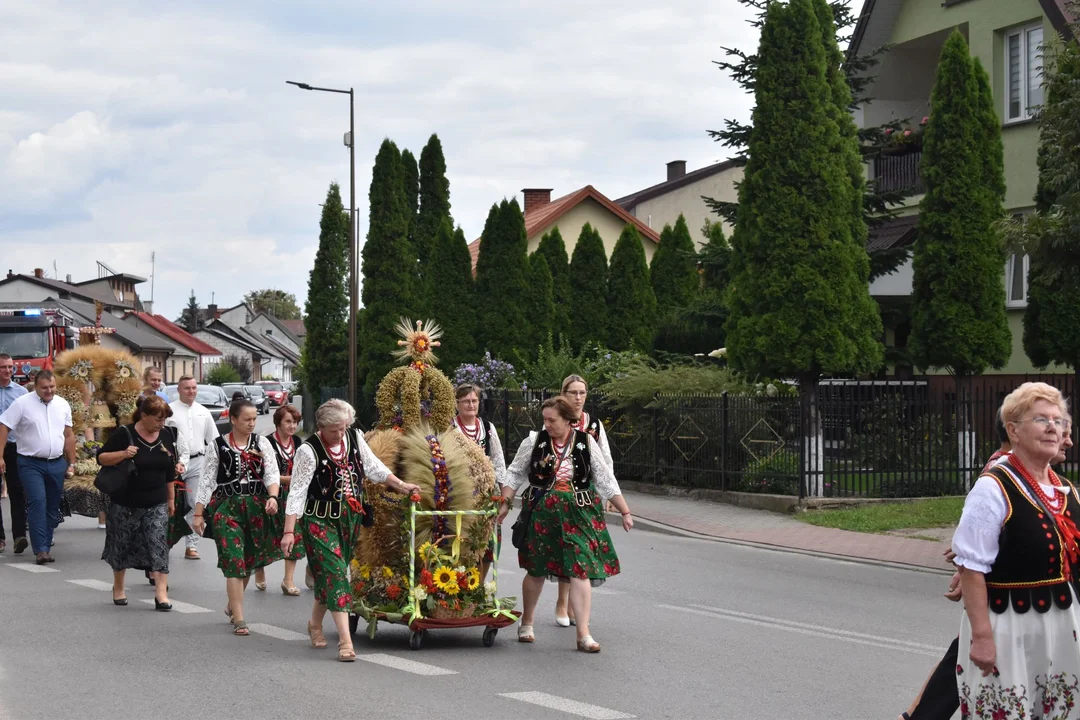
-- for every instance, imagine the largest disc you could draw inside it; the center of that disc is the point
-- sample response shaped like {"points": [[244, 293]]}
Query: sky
{"points": [[130, 127]]}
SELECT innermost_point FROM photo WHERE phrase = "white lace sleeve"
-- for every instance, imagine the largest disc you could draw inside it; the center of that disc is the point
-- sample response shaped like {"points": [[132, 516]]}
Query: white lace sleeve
{"points": [[303, 471], [208, 481], [374, 469], [976, 539], [605, 447], [271, 473], [517, 475], [183, 453], [602, 475], [498, 458]]}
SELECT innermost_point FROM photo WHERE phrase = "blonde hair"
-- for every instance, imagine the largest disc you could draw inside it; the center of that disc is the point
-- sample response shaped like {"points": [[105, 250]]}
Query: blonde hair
{"points": [[334, 412], [1018, 403], [571, 379]]}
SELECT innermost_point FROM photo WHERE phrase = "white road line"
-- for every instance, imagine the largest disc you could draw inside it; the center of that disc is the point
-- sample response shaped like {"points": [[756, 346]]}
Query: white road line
{"points": [[888, 643], [180, 607], [573, 707], [399, 663], [32, 567], [276, 632], [93, 584], [605, 591]]}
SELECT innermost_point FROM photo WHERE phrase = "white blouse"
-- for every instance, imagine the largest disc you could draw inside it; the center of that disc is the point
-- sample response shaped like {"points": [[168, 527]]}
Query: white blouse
{"points": [[498, 458], [605, 446], [208, 483], [975, 541], [304, 466], [517, 475]]}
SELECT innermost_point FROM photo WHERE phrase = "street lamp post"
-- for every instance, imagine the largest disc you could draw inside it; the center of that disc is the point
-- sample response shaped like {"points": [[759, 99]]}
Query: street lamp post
{"points": [[350, 141]]}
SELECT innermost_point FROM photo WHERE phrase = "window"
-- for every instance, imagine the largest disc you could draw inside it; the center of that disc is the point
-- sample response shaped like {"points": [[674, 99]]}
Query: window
{"points": [[1023, 72], [1016, 272]]}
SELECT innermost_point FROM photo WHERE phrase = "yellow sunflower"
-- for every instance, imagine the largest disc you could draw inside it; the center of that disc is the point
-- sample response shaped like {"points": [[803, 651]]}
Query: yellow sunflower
{"points": [[446, 580], [365, 572], [474, 579], [387, 572], [423, 550]]}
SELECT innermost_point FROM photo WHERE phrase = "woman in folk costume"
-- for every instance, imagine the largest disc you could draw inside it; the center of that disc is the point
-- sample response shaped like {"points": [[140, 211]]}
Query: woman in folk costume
{"points": [[576, 391], [566, 538], [1019, 559], [283, 441], [239, 491], [326, 498], [469, 424]]}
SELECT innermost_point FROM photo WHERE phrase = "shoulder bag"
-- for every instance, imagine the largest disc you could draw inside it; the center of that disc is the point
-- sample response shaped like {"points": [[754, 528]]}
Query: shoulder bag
{"points": [[114, 479]]}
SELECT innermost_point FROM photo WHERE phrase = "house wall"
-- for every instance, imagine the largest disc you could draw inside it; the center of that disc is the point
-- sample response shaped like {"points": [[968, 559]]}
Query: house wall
{"points": [[237, 316], [687, 201], [227, 348], [261, 324], [180, 364], [609, 226], [19, 290]]}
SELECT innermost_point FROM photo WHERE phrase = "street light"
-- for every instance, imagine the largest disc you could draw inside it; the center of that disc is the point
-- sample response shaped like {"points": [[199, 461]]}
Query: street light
{"points": [[353, 284]]}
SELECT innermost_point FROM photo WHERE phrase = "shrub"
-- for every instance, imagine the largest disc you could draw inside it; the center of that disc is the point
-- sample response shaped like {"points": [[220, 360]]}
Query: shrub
{"points": [[551, 368], [608, 365], [489, 373], [778, 475], [222, 373], [644, 388]]}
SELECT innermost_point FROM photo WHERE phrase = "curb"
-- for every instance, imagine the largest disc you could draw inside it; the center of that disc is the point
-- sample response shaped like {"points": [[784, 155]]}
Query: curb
{"points": [[647, 525]]}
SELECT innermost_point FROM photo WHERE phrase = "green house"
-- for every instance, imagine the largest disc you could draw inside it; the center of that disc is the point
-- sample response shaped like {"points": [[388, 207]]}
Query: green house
{"points": [[1007, 36]]}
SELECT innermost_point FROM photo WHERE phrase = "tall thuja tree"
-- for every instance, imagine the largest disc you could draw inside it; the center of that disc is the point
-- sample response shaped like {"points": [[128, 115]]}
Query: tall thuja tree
{"points": [[958, 319], [673, 272], [502, 283], [433, 212], [631, 302], [456, 308], [798, 300], [553, 249], [698, 328], [410, 178], [325, 355], [589, 285], [388, 268], [541, 306]]}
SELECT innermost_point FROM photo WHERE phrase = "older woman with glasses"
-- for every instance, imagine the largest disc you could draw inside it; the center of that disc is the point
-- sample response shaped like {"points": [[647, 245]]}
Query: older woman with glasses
{"points": [[469, 424], [1019, 558]]}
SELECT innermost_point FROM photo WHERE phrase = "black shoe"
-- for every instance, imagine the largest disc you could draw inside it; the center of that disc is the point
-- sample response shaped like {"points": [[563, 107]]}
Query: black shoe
{"points": [[119, 601], [49, 557], [41, 558], [162, 606], [20, 545]]}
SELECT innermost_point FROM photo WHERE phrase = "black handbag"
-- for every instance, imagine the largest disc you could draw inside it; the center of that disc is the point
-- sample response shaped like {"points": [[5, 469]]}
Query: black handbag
{"points": [[114, 479], [521, 526]]}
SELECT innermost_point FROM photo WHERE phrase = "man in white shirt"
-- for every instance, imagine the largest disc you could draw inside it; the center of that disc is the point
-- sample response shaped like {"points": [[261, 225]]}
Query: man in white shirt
{"points": [[46, 455], [10, 391], [197, 425]]}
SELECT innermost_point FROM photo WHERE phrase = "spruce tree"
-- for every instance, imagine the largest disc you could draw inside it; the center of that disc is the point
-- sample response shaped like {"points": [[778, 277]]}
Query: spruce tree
{"points": [[456, 308], [502, 284], [189, 318], [589, 286], [388, 268], [673, 272], [631, 302], [434, 209], [553, 249], [325, 355], [958, 319], [541, 305]]}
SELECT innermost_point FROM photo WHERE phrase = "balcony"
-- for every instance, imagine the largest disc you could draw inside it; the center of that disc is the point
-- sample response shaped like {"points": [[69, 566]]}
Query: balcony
{"points": [[899, 173]]}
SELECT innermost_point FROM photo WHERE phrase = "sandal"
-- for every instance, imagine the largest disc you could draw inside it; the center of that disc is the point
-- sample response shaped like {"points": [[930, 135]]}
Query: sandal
{"points": [[345, 652], [588, 645], [318, 640], [292, 591], [261, 586], [3, 545], [309, 580], [241, 628], [228, 613], [526, 634]]}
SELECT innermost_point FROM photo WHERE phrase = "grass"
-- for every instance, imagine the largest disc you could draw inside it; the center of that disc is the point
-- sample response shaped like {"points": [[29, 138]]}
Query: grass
{"points": [[882, 517]]}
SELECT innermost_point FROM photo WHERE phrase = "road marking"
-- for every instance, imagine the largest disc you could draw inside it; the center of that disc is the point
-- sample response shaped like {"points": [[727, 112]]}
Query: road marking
{"points": [[32, 567], [399, 663], [94, 584], [573, 707], [812, 630], [276, 632], [605, 591], [180, 607]]}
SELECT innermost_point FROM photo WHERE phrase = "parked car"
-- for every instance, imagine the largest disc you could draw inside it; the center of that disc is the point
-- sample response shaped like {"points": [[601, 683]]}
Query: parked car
{"points": [[214, 399], [259, 397], [277, 392]]}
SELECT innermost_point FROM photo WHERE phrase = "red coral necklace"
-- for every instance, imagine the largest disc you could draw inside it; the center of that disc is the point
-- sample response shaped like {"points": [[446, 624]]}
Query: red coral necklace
{"points": [[1070, 535], [473, 433]]}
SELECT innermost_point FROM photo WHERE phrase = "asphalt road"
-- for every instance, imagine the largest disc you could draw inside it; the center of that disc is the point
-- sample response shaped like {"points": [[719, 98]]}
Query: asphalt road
{"points": [[692, 629]]}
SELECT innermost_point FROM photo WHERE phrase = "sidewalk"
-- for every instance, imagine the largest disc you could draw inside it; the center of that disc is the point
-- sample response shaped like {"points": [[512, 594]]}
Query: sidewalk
{"points": [[782, 532]]}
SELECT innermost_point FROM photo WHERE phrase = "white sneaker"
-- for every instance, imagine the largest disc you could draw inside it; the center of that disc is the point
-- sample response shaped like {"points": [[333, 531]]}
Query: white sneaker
{"points": [[101, 526]]}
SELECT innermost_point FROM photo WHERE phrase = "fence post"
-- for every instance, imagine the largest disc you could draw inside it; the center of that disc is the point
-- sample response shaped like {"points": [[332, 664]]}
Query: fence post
{"points": [[723, 440], [802, 444]]}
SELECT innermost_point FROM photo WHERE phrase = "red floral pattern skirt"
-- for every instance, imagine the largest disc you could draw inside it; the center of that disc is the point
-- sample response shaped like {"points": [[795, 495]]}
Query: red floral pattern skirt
{"points": [[329, 543], [567, 541], [279, 521], [245, 536]]}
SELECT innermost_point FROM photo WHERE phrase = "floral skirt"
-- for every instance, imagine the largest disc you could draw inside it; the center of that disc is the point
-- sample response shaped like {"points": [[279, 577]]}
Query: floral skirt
{"points": [[135, 538], [279, 520], [1037, 675], [245, 536], [329, 544], [178, 524], [567, 541]]}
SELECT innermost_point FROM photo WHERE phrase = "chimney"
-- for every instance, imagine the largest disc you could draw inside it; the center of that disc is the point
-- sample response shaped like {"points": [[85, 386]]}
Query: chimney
{"points": [[212, 311], [10, 273], [148, 307], [69, 278], [536, 197], [676, 169], [39, 273]]}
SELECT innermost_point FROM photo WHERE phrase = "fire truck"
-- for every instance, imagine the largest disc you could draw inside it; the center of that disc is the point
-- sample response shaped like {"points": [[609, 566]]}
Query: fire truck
{"points": [[33, 337]]}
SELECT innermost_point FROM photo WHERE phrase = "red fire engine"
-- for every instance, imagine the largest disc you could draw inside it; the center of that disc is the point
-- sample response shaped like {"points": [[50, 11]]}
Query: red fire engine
{"points": [[33, 337]]}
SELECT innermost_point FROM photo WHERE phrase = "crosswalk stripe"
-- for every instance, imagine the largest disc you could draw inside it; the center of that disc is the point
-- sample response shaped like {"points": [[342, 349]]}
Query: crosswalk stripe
{"points": [[276, 632], [180, 607], [572, 707], [32, 567], [399, 663], [93, 584]]}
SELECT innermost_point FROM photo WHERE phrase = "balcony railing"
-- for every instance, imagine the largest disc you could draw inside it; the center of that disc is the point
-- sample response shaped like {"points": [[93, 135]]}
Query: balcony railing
{"points": [[896, 173]]}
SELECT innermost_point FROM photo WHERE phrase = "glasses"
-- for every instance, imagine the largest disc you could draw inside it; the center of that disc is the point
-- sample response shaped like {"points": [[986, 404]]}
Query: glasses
{"points": [[1045, 422], [577, 393]]}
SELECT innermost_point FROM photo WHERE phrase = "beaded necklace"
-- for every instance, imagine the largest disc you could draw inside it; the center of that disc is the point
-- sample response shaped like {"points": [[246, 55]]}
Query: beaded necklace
{"points": [[473, 433], [1070, 535], [340, 460]]}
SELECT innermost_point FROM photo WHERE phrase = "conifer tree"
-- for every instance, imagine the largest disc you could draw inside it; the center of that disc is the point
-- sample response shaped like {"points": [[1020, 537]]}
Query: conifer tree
{"points": [[388, 268], [699, 326], [456, 309], [553, 249], [673, 272], [541, 305], [325, 355], [189, 318], [589, 286], [502, 283], [631, 302], [434, 209]]}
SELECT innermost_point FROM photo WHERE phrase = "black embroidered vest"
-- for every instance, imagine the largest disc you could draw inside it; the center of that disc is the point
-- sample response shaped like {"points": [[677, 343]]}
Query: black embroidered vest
{"points": [[484, 441], [542, 464], [1029, 571], [332, 484], [284, 462], [236, 476], [593, 428]]}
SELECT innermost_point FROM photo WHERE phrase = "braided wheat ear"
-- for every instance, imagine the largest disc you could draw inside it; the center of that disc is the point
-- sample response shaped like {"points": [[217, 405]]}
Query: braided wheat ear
{"points": [[417, 344]]}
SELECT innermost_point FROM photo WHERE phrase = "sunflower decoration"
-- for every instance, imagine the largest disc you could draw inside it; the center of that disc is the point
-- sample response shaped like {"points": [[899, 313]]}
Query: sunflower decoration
{"points": [[124, 369], [417, 344], [446, 580], [81, 370], [474, 578]]}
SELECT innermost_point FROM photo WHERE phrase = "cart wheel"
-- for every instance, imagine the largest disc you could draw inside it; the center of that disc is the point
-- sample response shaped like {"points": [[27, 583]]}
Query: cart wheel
{"points": [[416, 637], [354, 622], [489, 636]]}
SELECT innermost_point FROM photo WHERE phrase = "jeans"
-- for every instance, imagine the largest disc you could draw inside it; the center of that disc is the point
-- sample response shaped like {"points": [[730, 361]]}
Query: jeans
{"points": [[191, 483], [43, 483], [15, 493]]}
